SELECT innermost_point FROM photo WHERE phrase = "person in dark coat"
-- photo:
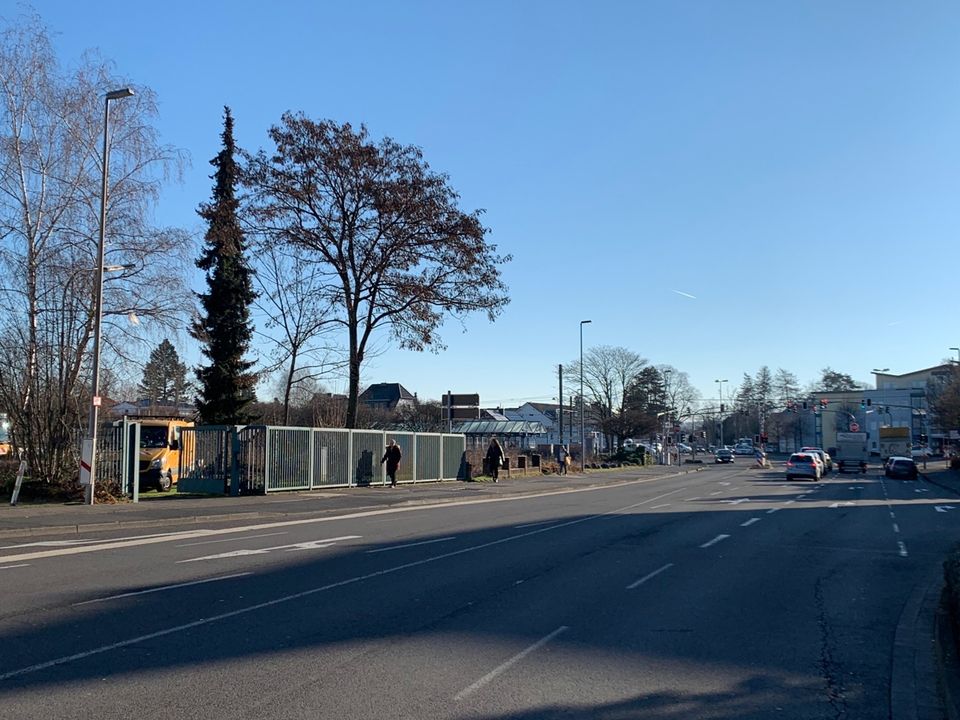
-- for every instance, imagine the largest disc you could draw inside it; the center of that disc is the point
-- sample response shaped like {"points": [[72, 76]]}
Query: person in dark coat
{"points": [[392, 458], [495, 458]]}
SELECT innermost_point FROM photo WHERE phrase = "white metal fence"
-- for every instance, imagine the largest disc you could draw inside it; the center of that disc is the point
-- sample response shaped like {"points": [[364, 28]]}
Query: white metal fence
{"points": [[261, 458]]}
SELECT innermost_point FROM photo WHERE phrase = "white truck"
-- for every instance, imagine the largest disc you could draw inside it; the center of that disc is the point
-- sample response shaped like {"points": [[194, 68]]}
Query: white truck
{"points": [[894, 441], [851, 452]]}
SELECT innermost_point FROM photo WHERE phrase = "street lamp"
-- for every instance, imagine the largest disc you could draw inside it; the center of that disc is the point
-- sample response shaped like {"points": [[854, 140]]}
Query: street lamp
{"points": [[88, 461], [720, 424], [583, 445]]}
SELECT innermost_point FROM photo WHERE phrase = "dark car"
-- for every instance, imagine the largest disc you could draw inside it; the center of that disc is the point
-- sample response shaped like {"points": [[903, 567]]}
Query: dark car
{"points": [[723, 456], [901, 467]]}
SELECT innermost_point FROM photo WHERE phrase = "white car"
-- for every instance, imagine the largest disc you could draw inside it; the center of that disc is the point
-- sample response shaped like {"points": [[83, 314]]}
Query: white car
{"points": [[743, 450], [920, 452]]}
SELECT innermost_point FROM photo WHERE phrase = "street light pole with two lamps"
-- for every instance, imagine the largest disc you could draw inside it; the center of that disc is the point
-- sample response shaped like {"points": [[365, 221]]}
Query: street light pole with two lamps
{"points": [[720, 423], [583, 446], [88, 461]]}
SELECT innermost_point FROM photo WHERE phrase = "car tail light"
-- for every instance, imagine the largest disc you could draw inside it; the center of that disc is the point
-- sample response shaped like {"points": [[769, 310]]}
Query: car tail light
{"points": [[789, 463]]}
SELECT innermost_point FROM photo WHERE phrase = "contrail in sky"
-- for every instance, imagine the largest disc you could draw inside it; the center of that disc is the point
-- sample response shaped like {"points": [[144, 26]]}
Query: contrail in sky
{"points": [[680, 292]]}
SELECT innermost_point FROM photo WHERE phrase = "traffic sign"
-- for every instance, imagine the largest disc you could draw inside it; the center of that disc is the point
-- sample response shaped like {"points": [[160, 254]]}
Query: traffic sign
{"points": [[854, 427]]}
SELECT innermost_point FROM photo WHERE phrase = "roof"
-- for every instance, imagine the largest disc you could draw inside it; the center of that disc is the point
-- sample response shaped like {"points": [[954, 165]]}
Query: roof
{"points": [[380, 393], [499, 427]]}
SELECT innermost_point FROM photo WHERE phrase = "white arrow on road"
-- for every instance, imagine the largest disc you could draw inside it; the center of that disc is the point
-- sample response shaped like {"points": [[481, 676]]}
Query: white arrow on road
{"points": [[943, 508], [836, 504], [311, 545], [736, 502]]}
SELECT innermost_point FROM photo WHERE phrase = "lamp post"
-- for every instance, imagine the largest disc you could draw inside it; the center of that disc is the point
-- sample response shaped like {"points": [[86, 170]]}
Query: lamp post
{"points": [[88, 460], [583, 445], [720, 424]]}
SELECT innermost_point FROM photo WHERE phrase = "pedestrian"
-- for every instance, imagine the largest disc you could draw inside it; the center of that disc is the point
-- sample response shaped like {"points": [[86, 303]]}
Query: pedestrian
{"points": [[494, 458], [392, 458], [564, 456]]}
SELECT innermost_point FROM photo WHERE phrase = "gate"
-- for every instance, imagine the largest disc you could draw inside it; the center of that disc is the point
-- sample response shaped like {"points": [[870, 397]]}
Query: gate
{"points": [[206, 459]]}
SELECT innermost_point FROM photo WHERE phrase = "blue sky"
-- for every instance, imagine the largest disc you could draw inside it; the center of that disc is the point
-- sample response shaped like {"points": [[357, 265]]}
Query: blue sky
{"points": [[793, 165]]}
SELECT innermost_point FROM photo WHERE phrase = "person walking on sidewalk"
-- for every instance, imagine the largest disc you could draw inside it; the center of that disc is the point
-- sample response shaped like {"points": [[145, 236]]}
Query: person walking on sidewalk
{"points": [[392, 458], [494, 458], [564, 457]]}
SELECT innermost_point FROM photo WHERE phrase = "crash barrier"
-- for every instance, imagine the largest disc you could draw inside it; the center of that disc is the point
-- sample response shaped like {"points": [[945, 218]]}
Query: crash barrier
{"points": [[262, 458]]}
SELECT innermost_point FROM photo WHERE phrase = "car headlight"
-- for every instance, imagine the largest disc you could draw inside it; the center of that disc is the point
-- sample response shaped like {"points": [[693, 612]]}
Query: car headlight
{"points": [[156, 464]]}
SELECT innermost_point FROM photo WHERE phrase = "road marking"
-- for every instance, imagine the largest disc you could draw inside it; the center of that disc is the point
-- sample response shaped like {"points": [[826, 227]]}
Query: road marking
{"points": [[735, 502], [649, 576], [719, 492], [72, 543], [11, 567], [903, 548], [771, 511], [410, 545], [724, 483], [238, 539], [943, 508], [892, 516], [718, 538], [189, 534], [310, 592], [789, 502], [309, 545], [159, 589], [839, 504], [896, 528], [691, 499], [536, 524], [657, 507], [500, 669], [749, 522]]}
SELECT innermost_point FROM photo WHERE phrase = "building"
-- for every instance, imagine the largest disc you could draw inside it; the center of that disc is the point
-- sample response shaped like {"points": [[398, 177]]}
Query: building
{"points": [[386, 396]]}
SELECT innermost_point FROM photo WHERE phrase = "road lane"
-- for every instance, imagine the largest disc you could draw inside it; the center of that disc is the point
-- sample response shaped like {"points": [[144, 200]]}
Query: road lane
{"points": [[401, 633]]}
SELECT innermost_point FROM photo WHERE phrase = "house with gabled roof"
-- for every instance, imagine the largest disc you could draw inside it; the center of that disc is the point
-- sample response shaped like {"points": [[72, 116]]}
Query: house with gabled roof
{"points": [[387, 396]]}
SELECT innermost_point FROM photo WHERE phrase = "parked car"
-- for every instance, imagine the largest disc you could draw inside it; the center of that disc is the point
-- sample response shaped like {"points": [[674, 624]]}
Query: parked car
{"points": [[723, 455], [804, 465], [901, 467], [825, 460], [683, 448]]}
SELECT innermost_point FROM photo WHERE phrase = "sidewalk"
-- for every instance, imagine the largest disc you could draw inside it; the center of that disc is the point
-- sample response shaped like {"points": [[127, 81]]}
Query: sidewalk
{"points": [[61, 518]]}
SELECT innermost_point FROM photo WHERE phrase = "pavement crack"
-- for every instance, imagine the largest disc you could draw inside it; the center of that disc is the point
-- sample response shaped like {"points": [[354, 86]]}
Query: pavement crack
{"points": [[827, 664]]}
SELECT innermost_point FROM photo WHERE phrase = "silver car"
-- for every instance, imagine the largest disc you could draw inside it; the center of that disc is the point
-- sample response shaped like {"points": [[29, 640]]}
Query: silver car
{"points": [[804, 465]]}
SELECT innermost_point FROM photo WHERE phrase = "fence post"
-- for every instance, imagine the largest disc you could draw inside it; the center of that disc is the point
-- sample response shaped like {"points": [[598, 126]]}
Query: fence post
{"points": [[233, 440], [416, 442], [441, 458], [351, 466]]}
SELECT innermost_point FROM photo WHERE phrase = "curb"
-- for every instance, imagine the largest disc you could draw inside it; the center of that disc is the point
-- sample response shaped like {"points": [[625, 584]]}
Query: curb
{"points": [[77, 528], [947, 663]]}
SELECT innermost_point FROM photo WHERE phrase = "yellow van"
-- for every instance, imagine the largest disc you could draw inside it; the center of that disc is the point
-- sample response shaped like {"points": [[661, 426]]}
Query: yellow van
{"points": [[160, 452]]}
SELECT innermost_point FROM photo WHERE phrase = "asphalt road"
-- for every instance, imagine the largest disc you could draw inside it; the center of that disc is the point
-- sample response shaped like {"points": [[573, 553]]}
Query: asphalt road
{"points": [[728, 593]]}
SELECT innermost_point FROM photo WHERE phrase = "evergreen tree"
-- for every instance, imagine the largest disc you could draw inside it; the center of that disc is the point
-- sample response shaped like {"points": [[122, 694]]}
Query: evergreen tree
{"points": [[164, 376], [224, 328]]}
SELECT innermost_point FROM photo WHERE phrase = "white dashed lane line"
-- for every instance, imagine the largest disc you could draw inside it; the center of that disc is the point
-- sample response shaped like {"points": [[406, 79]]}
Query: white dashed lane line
{"points": [[750, 522], [649, 576], [717, 539]]}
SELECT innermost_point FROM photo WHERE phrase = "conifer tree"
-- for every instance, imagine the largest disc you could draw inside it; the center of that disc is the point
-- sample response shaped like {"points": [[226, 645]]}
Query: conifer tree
{"points": [[164, 376], [224, 327]]}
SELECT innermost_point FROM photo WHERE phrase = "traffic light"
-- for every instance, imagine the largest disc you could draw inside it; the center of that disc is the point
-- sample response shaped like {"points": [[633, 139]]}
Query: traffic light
{"points": [[863, 404], [869, 402], [804, 404], [763, 438], [721, 407], [703, 434]]}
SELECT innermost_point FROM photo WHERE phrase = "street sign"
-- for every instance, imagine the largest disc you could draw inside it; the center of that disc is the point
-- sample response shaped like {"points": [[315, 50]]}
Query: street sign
{"points": [[854, 427]]}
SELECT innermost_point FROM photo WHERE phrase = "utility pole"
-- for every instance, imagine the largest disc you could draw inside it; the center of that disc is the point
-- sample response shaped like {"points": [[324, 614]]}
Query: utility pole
{"points": [[560, 406]]}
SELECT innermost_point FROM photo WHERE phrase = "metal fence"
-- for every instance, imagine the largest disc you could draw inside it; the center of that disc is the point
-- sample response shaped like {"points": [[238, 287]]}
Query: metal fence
{"points": [[261, 458]]}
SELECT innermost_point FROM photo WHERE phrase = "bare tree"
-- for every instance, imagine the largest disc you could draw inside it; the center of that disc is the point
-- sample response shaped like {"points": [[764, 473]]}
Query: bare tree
{"points": [[295, 303], [51, 127], [396, 250], [608, 373]]}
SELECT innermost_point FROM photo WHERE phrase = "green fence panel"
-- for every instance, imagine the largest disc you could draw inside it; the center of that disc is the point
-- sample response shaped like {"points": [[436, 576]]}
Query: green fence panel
{"points": [[454, 457], [331, 458], [428, 456], [206, 459], [367, 448], [289, 460]]}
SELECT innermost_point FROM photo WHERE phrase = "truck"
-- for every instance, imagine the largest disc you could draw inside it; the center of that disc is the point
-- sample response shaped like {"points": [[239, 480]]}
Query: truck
{"points": [[851, 452], [160, 451], [894, 441]]}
